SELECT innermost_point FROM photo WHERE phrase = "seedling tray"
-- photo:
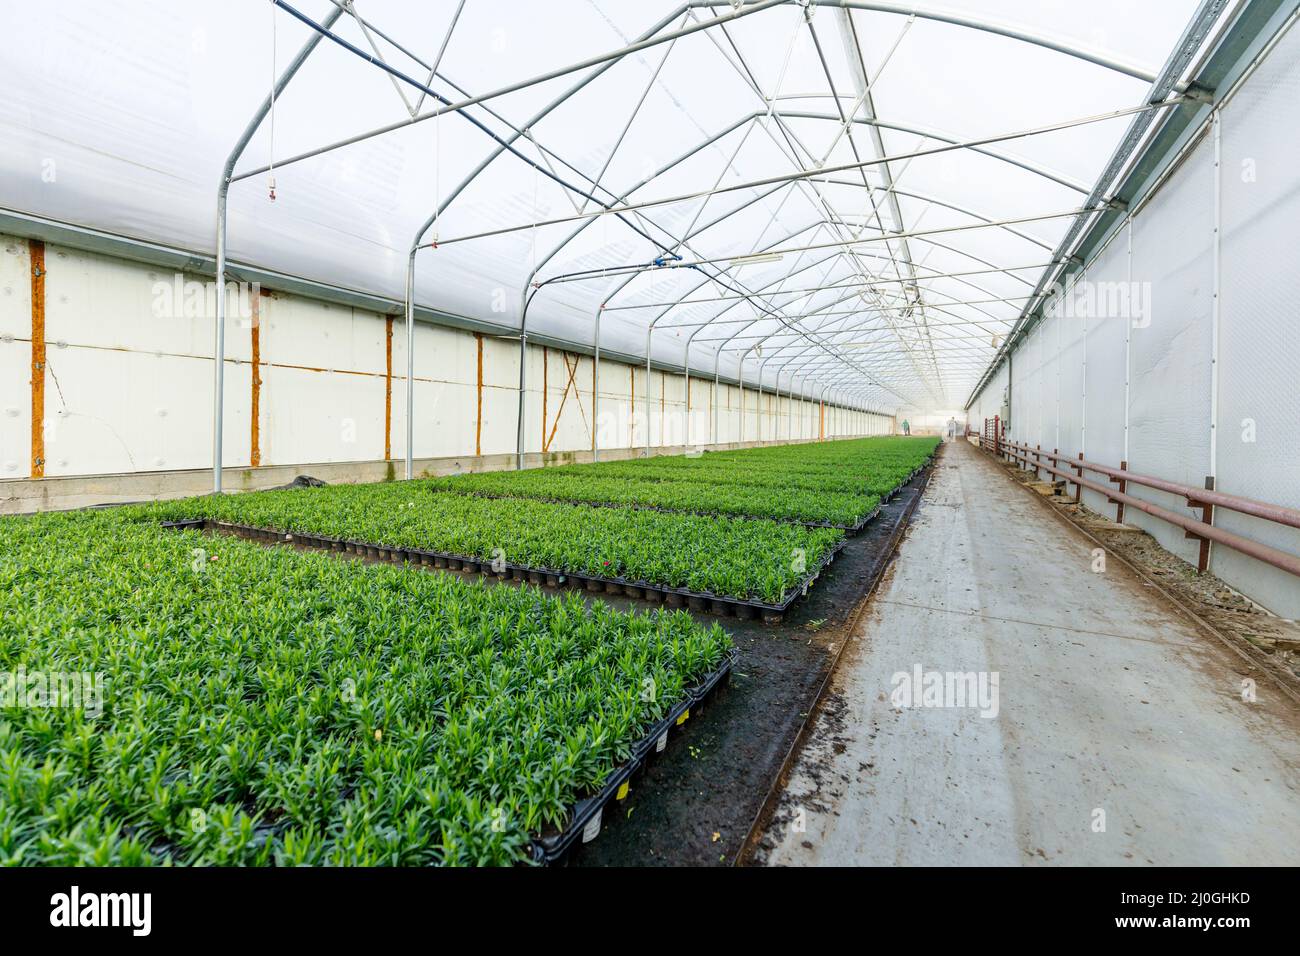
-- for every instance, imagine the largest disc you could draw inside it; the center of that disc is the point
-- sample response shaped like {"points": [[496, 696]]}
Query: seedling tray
{"points": [[587, 816], [622, 506], [898, 488], [698, 601]]}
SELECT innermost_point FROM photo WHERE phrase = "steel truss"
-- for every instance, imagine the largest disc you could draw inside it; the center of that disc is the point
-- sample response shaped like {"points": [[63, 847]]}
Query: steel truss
{"points": [[874, 343]]}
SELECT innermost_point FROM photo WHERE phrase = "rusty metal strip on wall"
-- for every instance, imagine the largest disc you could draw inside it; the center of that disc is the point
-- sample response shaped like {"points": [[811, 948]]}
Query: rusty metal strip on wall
{"points": [[36, 249], [254, 442]]}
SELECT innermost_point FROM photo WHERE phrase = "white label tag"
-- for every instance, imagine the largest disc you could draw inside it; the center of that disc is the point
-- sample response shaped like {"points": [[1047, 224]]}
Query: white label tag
{"points": [[661, 743], [592, 829]]}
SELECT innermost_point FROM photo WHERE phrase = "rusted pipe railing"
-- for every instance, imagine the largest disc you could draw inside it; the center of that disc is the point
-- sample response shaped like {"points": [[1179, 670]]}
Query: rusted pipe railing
{"points": [[1202, 530], [1198, 496]]}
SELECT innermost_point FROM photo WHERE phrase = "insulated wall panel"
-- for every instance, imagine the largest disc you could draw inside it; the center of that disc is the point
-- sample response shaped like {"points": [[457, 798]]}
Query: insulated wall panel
{"points": [[1259, 330], [1169, 397], [15, 359], [1072, 331], [1106, 372], [323, 380]]}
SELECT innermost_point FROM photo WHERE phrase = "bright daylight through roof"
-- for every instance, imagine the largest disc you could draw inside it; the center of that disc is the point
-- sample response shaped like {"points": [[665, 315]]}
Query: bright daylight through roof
{"points": [[604, 433]]}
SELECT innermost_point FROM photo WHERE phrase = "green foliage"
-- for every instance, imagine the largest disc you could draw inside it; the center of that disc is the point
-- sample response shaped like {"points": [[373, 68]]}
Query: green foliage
{"points": [[269, 706], [726, 556], [837, 483], [712, 493]]}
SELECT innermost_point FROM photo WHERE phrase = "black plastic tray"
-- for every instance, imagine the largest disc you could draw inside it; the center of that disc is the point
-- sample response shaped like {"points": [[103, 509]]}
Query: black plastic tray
{"points": [[846, 528], [671, 597], [699, 601], [586, 816]]}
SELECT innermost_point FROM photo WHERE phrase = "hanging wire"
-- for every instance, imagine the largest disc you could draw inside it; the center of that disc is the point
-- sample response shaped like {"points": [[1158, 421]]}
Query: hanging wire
{"points": [[270, 168]]}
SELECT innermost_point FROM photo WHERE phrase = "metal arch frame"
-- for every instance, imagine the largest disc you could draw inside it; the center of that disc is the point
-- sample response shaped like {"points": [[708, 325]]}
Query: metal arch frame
{"points": [[748, 7], [858, 288], [223, 192], [778, 281], [603, 63], [648, 40], [886, 238], [749, 322], [852, 370], [928, 132], [691, 233], [855, 284], [989, 26], [716, 318], [749, 298], [416, 244], [821, 310], [817, 175], [764, 338], [1199, 26], [697, 148], [826, 310], [802, 157], [865, 311], [585, 220], [683, 242]]}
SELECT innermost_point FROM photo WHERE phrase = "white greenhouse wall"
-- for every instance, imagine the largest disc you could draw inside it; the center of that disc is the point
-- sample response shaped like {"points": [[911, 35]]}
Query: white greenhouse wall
{"points": [[1142, 388], [127, 387]]}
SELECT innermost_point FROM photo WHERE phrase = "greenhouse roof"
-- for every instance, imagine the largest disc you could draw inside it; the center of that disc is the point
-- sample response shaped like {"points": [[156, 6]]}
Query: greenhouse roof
{"points": [[861, 195]]}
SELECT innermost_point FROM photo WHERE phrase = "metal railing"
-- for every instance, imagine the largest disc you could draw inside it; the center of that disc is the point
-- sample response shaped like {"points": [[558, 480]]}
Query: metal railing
{"points": [[1207, 499]]}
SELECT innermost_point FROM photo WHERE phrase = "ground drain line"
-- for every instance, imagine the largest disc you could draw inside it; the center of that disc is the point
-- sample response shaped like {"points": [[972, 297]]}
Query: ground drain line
{"points": [[768, 806], [1255, 658]]}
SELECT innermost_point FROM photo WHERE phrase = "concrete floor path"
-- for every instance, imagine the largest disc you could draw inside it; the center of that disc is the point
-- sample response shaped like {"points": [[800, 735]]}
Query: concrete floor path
{"points": [[1120, 735]]}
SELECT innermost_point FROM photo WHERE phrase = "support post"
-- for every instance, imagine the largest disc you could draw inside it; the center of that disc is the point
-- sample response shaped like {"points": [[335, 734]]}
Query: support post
{"points": [[715, 435], [223, 192], [648, 332], [523, 379], [410, 366], [219, 338], [1123, 487], [595, 391], [1207, 517]]}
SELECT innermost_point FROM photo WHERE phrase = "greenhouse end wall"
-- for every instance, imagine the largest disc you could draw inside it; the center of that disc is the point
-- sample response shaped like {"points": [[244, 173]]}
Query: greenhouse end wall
{"points": [[126, 388], [1175, 390]]}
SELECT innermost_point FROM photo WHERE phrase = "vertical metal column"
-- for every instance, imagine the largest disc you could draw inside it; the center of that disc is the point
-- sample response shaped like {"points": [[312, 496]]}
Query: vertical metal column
{"points": [[410, 366], [1207, 511], [1215, 296], [223, 191], [595, 391], [1128, 337], [648, 332]]}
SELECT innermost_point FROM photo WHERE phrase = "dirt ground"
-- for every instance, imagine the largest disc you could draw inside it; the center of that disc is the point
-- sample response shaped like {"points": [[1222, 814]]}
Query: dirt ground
{"points": [[696, 804]]}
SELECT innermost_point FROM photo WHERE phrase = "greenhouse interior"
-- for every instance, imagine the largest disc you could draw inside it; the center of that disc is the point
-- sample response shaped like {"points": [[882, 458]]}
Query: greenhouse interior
{"points": [[597, 433]]}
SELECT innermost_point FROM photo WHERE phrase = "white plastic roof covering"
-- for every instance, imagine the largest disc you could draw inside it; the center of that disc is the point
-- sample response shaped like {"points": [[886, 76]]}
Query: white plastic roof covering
{"points": [[135, 105]]}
